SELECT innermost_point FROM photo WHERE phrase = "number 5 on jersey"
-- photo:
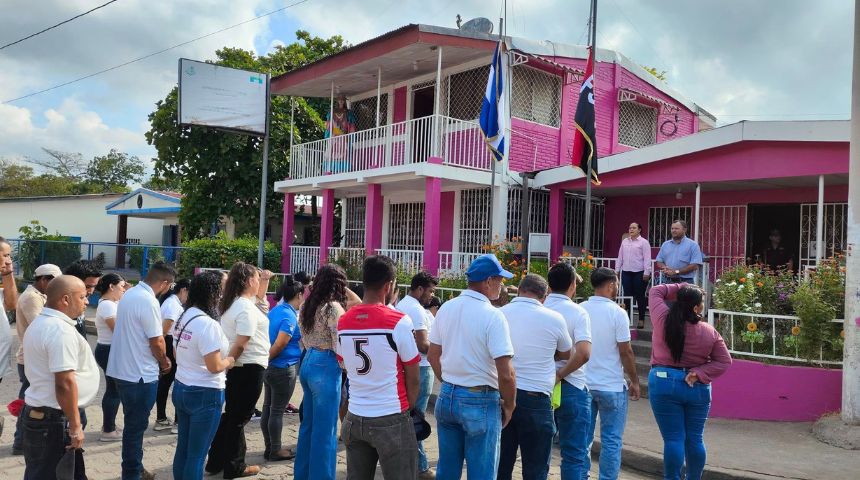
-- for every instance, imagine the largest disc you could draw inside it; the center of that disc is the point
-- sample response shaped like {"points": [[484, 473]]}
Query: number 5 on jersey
{"points": [[366, 363]]}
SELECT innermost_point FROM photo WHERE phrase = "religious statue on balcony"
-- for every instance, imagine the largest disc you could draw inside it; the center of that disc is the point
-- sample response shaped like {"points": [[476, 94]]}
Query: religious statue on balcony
{"points": [[340, 121]]}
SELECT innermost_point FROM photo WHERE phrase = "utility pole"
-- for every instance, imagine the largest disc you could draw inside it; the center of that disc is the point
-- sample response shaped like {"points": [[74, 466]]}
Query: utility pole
{"points": [[851, 359]]}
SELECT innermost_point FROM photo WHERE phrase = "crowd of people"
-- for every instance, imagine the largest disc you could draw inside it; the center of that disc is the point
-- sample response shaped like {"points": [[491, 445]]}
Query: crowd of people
{"points": [[512, 378]]}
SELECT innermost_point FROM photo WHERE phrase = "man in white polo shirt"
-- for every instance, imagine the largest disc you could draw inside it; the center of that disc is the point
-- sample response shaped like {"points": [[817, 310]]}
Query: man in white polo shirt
{"points": [[611, 357], [421, 290], [380, 357], [470, 350], [63, 377], [573, 416], [137, 356], [539, 337]]}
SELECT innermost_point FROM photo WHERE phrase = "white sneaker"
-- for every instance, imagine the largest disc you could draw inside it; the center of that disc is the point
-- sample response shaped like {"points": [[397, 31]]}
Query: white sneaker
{"points": [[114, 436], [174, 429], [163, 424]]}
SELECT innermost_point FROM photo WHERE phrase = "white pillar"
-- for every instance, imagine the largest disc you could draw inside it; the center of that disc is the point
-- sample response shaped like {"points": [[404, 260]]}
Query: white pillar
{"points": [[331, 111], [437, 102], [819, 222], [851, 358], [378, 92], [698, 212]]}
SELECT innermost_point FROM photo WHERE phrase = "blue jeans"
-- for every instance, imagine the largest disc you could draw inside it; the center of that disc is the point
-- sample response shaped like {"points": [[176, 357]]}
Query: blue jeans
{"points": [[110, 400], [279, 384], [316, 452], [426, 383], [137, 398], [681, 412], [198, 410], [612, 408], [574, 421], [469, 426], [530, 430]]}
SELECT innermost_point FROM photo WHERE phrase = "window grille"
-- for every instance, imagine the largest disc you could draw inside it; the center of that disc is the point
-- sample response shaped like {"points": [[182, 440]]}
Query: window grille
{"points": [[835, 231], [474, 219], [574, 223], [365, 112], [354, 209], [637, 125], [538, 212], [466, 93], [660, 221], [406, 226], [536, 96]]}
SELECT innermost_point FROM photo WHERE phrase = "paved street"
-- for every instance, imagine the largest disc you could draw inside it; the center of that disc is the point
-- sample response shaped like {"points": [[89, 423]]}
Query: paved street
{"points": [[103, 459]]}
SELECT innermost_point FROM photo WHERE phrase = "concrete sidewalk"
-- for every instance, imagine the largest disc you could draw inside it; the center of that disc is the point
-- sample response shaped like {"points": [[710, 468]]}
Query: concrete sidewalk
{"points": [[742, 449]]}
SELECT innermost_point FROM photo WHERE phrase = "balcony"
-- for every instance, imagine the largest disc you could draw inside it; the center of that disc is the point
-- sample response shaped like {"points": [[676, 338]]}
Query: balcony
{"points": [[456, 142]]}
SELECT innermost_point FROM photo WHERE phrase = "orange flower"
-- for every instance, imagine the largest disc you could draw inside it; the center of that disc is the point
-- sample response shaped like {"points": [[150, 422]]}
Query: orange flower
{"points": [[759, 284], [590, 257], [842, 333], [743, 279], [752, 327], [795, 330], [584, 264]]}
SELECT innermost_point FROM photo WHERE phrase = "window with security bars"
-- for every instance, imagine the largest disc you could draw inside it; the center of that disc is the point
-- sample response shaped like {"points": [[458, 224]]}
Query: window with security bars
{"points": [[354, 210], [474, 219], [466, 93], [660, 220], [538, 212], [406, 226], [574, 223], [637, 125], [365, 112], [536, 96]]}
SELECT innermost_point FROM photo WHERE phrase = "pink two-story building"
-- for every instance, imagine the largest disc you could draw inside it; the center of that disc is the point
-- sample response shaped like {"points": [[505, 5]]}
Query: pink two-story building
{"points": [[414, 178]]}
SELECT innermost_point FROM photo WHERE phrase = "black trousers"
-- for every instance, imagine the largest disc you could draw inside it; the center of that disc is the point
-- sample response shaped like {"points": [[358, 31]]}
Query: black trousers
{"points": [[165, 381], [45, 438], [634, 286], [227, 452]]}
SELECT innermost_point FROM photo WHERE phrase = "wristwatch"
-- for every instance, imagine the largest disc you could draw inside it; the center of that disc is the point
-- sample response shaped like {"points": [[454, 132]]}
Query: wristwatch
{"points": [[677, 272]]}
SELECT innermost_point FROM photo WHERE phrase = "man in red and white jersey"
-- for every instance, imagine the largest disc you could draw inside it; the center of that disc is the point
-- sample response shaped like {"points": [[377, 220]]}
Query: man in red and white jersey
{"points": [[381, 358]]}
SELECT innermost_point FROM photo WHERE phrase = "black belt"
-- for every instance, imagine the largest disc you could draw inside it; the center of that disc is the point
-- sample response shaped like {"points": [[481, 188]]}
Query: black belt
{"points": [[534, 394], [683, 369], [478, 389], [44, 413]]}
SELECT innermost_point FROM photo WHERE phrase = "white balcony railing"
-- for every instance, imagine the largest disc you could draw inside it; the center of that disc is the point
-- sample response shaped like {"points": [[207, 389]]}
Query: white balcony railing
{"points": [[352, 255], [411, 261], [455, 262], [304, 259], [772, 336], [456, 142]]}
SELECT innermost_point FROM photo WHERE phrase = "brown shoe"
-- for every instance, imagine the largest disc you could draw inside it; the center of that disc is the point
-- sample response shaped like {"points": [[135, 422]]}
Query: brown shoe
{"points": [[428, 474], [147, 475], [282, 454], [249, 471]]}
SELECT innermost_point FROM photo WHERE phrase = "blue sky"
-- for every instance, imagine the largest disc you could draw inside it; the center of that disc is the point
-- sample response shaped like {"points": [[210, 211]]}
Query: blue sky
{"points": [[768, 59]]}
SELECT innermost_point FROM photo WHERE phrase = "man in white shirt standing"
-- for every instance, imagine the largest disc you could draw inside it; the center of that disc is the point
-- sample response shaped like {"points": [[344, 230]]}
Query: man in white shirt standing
{"points": [[539, 337], [573, 416], [470, 350], [63, 377], [421, 290], [380, 358], [30, 305], [9, 294], [611, 357], [137, 356]]}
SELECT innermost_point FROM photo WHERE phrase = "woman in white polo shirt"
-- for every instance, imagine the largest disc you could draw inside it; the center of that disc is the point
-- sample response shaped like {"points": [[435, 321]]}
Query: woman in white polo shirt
{"points": [[201, 360], [247, 329], [111, 287]]}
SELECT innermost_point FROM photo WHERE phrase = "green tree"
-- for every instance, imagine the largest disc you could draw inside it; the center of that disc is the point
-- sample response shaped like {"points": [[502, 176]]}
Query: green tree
{"points": [[18, 180], [219, 172], [112, 172]]}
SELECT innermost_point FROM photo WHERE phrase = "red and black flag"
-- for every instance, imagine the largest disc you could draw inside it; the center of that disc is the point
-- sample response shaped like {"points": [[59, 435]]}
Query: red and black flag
{"points": [[584, 139]]}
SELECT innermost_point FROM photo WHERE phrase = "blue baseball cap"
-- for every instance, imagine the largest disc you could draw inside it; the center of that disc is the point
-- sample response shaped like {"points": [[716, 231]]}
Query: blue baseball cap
{"points": [[486, 266]]}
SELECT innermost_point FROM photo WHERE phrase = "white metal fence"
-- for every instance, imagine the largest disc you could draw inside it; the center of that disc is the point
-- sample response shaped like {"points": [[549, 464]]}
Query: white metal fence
{"points": [[771, 337], [411, 261], [304, 259], [457, 142], [455, 262], [352, 255]]}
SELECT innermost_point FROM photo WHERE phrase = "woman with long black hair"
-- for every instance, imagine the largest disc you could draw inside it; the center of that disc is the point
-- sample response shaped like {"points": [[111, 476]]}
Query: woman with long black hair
{"points": [[316, 452], [247, 329], [111, 287], [172, 307], [687, 354]]}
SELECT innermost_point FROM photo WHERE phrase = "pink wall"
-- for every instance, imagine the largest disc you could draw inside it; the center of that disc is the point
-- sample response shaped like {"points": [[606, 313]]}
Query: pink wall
{"points": [[287, 230], [446, 225], [399, 114], [554, 144], [620, 211], [755, 391]]}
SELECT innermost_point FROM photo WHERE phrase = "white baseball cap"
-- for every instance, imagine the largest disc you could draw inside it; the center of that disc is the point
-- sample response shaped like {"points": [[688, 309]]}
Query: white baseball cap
{"points": [[48, 269]]}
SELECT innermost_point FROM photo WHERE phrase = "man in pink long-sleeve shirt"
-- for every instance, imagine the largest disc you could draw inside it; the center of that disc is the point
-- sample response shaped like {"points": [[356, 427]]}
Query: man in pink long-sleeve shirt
{"points": [[634, 268]]}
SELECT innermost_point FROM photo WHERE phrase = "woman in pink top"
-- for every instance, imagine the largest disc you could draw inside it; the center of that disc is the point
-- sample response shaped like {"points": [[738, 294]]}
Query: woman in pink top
{"points": [[686, 355], [634, 269]]}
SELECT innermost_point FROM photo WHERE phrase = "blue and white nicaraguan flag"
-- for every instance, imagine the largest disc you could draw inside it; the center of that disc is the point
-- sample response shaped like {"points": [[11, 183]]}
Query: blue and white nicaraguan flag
{"points": [[494, 121]]}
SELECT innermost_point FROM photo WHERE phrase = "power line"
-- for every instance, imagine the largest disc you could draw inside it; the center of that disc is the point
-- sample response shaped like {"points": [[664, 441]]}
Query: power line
{"points": [[57, 25], [154, 53]]}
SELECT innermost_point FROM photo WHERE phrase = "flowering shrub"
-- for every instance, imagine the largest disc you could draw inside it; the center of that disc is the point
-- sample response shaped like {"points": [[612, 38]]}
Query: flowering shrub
{"points": [[583, 265], [739, 289]]}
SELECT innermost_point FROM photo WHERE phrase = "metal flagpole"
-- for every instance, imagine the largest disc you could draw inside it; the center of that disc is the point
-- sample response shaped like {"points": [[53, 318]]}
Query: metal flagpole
{"points": [[587, 240], [493, 160], [263, 189]]}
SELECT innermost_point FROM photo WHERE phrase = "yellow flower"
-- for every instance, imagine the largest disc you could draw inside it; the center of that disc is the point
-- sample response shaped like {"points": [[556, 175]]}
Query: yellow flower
{"points": [[795, 330], [752, 327]]}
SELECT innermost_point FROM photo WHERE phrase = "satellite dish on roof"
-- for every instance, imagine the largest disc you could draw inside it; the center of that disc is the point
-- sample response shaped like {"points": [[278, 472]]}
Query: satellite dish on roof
{"points": [[480, 25]]}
